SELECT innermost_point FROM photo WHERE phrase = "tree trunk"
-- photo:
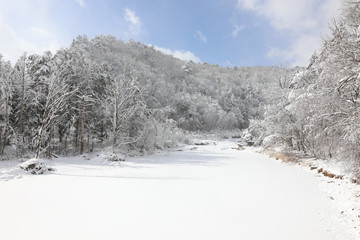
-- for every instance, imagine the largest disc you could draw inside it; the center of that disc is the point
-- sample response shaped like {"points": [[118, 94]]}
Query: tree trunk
{"points": [[92, 144], [0, 140], [38, 146], [5, 140], [41, 132], [50, 145], [22, 104], [82, 126], [2, 149], [88, 142], [20, 135], [115, 126], [65, 145]]}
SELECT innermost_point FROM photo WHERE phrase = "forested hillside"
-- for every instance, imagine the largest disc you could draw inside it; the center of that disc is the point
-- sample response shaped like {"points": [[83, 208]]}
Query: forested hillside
{"points": [[105, 92], [319, 114]]}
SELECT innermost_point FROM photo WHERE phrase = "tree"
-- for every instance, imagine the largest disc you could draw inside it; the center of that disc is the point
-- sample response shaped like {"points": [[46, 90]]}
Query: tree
{"points": [[5, 108], [323, 105], [20, 79], [128, 108], [55, 100]]}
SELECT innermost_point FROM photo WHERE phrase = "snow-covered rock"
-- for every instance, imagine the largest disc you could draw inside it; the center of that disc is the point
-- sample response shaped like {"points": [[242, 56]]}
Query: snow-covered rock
{"points": [[35, 166]]}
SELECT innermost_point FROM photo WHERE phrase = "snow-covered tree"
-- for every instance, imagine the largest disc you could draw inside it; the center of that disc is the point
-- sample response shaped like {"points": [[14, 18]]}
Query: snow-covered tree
{"points": [[129, 109], [56, 98], [5, 107], [128, 95], [20, 81]]}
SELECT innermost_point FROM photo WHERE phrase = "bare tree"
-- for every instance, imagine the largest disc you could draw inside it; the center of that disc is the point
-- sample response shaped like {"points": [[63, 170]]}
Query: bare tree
{"points": [[56, 99], [127, 102]]}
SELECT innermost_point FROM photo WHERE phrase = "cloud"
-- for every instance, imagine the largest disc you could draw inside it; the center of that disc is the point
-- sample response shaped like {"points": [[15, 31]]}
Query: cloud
{"points": [[12, 46], [299, 52], [81, 3], [199, 35], [180, 54], [26, 31], [237, 29], [303, 20], [135, 26], [130, 16]]}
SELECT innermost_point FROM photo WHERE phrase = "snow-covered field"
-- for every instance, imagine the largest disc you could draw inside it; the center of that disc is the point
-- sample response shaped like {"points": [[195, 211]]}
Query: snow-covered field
{"points": [[203, 192]]}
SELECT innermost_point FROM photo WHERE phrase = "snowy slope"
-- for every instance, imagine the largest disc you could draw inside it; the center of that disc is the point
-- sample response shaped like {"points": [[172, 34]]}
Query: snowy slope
{"points": [[211, 192]]}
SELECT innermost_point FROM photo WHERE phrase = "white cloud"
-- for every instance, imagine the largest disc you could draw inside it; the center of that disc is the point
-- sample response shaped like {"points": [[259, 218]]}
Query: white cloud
{"points": [[135, 26], [12, 45], [199, 35], [237, 29], [81, 3], [180, 54], [299, 52], [304, 20], [26, 31], [130, 16]]}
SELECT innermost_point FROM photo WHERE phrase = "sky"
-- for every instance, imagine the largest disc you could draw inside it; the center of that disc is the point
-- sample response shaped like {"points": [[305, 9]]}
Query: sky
{"points": [[224, 32]]}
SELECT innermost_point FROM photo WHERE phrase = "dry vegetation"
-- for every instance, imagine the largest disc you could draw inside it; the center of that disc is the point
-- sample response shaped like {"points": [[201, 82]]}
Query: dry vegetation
{"points": [[239, 147], [356, 179], [285, 157], [329, 174], [294, 158]]}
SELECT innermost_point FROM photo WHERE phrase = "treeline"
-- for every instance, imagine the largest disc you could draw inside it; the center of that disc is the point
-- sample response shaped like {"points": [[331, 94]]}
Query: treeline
{"points": [[320, 112], [103, 92]]}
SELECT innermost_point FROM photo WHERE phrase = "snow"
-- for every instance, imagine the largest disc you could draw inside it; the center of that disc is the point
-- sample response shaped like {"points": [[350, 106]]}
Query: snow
{"points": [[344, 194], [208, 191]]}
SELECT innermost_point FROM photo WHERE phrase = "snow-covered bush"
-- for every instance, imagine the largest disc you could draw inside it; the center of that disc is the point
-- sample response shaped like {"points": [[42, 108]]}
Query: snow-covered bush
{"points": [[35, 166], [116, 157], [255, 133], [271, 141]]}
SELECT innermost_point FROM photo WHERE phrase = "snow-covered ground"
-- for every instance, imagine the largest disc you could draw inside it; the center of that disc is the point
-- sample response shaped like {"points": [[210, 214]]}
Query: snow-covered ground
{"points": [[203, 192]]}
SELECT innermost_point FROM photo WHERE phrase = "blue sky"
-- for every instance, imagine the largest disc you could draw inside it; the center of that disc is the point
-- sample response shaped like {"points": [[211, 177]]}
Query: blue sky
{"points": [[224, 32]]}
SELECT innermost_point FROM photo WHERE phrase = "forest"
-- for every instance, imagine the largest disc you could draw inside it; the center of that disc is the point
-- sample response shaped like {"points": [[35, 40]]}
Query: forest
{"points": [[104, 92]]}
